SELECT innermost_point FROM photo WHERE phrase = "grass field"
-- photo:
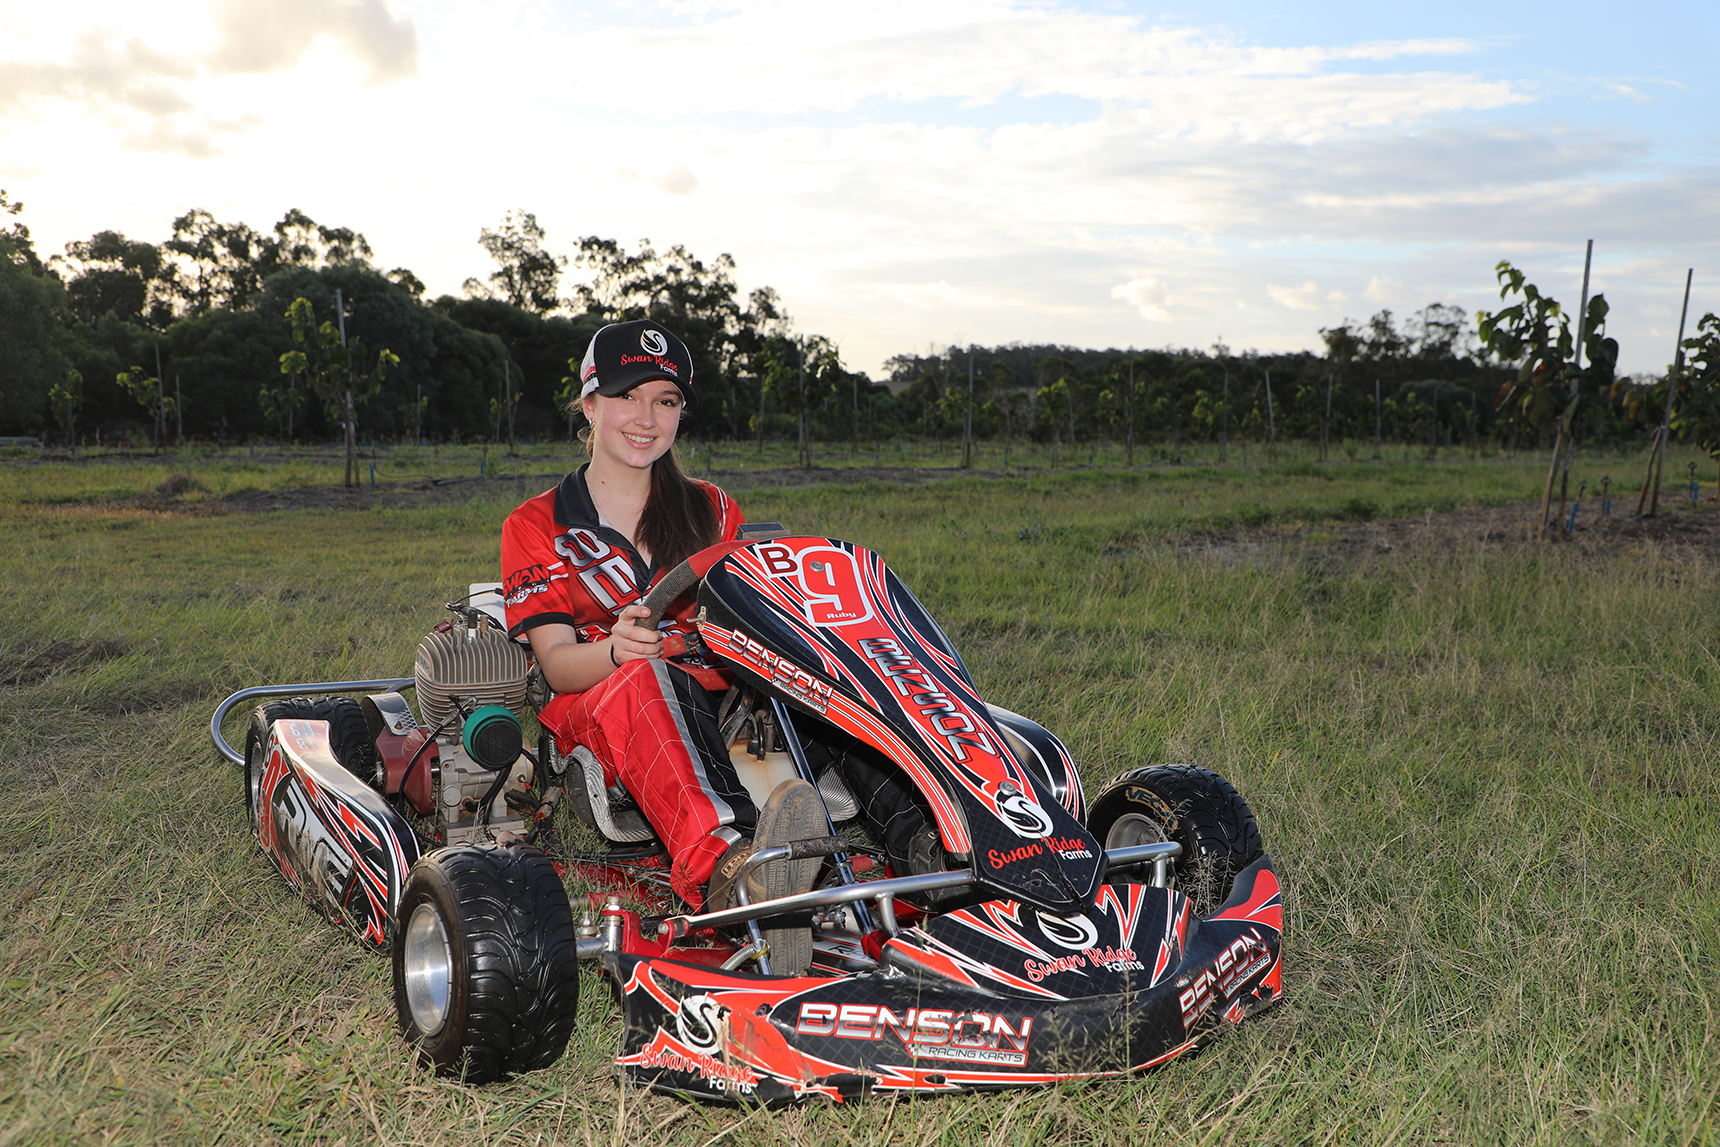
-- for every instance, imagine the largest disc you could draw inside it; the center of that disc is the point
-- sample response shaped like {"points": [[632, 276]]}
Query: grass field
{"points": [[1483, 767]]}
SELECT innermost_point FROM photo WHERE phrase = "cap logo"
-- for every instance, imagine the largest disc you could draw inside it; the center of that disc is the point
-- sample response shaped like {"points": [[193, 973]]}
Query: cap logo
{"points": [[654, 342]]}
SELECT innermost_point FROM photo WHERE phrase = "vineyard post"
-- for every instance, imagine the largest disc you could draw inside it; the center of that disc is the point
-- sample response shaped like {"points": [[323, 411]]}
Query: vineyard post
{"points": [[967, 425], [1563, 434], [1271, 422], [351, 429], [160, 404], [1376, 419], [1657, 462], [1326, 426], [1224, 425], [1582, 341], [178, 412], [805, 459], [1129, 412]]}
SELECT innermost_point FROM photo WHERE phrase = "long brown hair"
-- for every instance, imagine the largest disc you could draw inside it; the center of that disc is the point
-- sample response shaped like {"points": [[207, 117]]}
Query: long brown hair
{"points": [[678, 520]]}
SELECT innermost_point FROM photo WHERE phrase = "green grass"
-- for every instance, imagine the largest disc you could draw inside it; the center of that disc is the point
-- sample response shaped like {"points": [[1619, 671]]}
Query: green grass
{"points": [[1485, 774]]}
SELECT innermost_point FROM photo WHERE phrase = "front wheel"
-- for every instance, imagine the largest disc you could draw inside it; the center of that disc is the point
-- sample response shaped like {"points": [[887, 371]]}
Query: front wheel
{"points": [[1195, 807], [486, 967]]}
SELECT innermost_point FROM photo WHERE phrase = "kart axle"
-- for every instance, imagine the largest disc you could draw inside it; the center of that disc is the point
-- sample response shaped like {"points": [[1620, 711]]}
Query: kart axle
{"points": [[1160, 854]]}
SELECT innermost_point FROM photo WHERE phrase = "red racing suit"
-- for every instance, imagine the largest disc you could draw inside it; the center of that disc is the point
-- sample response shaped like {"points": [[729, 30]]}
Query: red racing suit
{"points": [[652, 724]]}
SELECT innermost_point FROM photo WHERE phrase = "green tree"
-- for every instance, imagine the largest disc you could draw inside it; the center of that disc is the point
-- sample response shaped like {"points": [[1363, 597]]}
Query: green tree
{"points": [[539, 348], [379, 314], [108, 273], [1549, 386], [210, 264], [33, 319], [1697, 414], [466, 370], [329, 363], [147, 390], [526, 275], [63, 401], [281, 403], [301, 241]]}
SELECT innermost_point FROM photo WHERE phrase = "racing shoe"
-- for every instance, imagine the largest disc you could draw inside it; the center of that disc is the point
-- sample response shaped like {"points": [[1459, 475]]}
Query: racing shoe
{"points": [[793, 812]]}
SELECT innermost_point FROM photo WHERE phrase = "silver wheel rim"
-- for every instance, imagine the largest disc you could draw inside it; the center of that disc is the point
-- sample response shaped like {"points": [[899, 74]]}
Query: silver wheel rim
{"points": [[1132, 828], [428, 969], [254, 765]]}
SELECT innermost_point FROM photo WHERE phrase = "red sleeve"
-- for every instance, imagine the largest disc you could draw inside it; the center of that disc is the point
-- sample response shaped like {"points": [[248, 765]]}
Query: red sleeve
{"points": [[534, 575]]}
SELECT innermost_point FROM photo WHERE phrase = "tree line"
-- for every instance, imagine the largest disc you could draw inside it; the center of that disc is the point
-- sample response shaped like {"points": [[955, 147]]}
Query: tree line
{"points": [[215, 334], [218, 334]]}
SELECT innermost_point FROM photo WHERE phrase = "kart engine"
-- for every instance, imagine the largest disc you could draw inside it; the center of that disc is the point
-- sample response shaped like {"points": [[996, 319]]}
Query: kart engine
{"points": [[467, 673]]}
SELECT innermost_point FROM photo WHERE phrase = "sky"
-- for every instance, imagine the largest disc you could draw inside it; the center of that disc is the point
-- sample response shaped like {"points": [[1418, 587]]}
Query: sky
{"points": [[910, 175]]}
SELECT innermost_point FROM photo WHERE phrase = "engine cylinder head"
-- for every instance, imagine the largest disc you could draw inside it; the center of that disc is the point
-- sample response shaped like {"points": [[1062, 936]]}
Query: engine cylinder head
{"points": [[481, 666]]}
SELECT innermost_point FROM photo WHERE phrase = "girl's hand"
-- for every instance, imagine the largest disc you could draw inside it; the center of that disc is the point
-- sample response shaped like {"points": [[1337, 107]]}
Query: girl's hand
{"points": [[630, 642]]}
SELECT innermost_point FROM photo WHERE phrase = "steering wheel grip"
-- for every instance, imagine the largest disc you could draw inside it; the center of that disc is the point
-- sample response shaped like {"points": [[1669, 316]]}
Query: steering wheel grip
{"points": [[692, 571], [674, 583]]}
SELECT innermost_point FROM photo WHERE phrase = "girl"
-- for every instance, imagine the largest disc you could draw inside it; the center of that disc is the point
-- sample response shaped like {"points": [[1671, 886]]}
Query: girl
{"points": [[576, 560]]}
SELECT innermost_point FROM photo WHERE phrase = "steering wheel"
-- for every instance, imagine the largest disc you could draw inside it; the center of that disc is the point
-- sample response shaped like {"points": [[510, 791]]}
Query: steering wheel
{"points": [[675, 583], [692, 571]]}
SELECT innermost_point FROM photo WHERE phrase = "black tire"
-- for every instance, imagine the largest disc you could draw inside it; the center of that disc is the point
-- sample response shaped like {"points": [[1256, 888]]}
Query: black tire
{"points": [[348, 736], [486, 967], [1193, 806]]}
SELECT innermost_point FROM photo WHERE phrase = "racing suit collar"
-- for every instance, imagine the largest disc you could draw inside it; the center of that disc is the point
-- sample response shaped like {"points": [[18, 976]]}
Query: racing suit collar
{"points": [[574, 509]]}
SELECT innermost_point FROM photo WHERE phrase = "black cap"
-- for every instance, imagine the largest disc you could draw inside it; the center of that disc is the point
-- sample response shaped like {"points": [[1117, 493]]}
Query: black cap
{"points": [[623, 355]]}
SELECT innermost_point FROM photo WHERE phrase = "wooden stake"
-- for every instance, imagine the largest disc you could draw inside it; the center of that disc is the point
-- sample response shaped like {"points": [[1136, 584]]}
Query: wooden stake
{"points": [[1326, 427], [1659, 460], [1376, 420], [1271, 422]]}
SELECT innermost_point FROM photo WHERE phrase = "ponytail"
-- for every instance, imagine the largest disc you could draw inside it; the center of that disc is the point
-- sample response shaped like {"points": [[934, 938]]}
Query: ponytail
{"points": [[678, 520]]}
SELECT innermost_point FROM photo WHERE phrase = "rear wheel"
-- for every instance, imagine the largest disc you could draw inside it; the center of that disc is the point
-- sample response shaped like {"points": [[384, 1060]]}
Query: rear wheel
{"points": [[348, 738], [486, 968], [1195, 807]]}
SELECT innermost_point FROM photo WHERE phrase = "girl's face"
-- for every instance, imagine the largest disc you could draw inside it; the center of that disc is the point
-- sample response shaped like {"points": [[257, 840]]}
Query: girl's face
{"points": [[637, 428]]}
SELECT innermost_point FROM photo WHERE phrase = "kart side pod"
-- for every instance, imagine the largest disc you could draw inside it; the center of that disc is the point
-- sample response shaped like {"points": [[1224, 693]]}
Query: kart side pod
{"points": [[333, 837]]}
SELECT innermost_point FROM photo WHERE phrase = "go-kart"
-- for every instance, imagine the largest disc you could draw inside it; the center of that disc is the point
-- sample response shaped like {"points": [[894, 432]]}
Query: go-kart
{"points": [[1044, 938]]}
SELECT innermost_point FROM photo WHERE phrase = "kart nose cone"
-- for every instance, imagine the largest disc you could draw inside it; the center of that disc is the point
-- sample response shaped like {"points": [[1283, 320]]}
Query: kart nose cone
{"points": [[429, 969]]}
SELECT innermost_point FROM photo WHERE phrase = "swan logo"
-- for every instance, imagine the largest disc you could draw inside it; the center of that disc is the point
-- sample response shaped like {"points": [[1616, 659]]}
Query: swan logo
{"points": [[698, 1021], [1023, 815], [654, 342], [1076, 933]]}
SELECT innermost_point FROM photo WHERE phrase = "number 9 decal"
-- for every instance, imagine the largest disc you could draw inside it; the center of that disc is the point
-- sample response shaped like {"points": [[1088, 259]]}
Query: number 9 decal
{"points": [[829, 580], [832, 586]]}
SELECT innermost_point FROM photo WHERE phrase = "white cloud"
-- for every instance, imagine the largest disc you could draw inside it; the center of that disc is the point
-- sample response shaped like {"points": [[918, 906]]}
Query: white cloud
{"points": [[1149, 295], [926, 296], [1006, 169], [274, 35], [1307, 297], [158, 87], [1168, 82], [678, 180], [1385, 290]]}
